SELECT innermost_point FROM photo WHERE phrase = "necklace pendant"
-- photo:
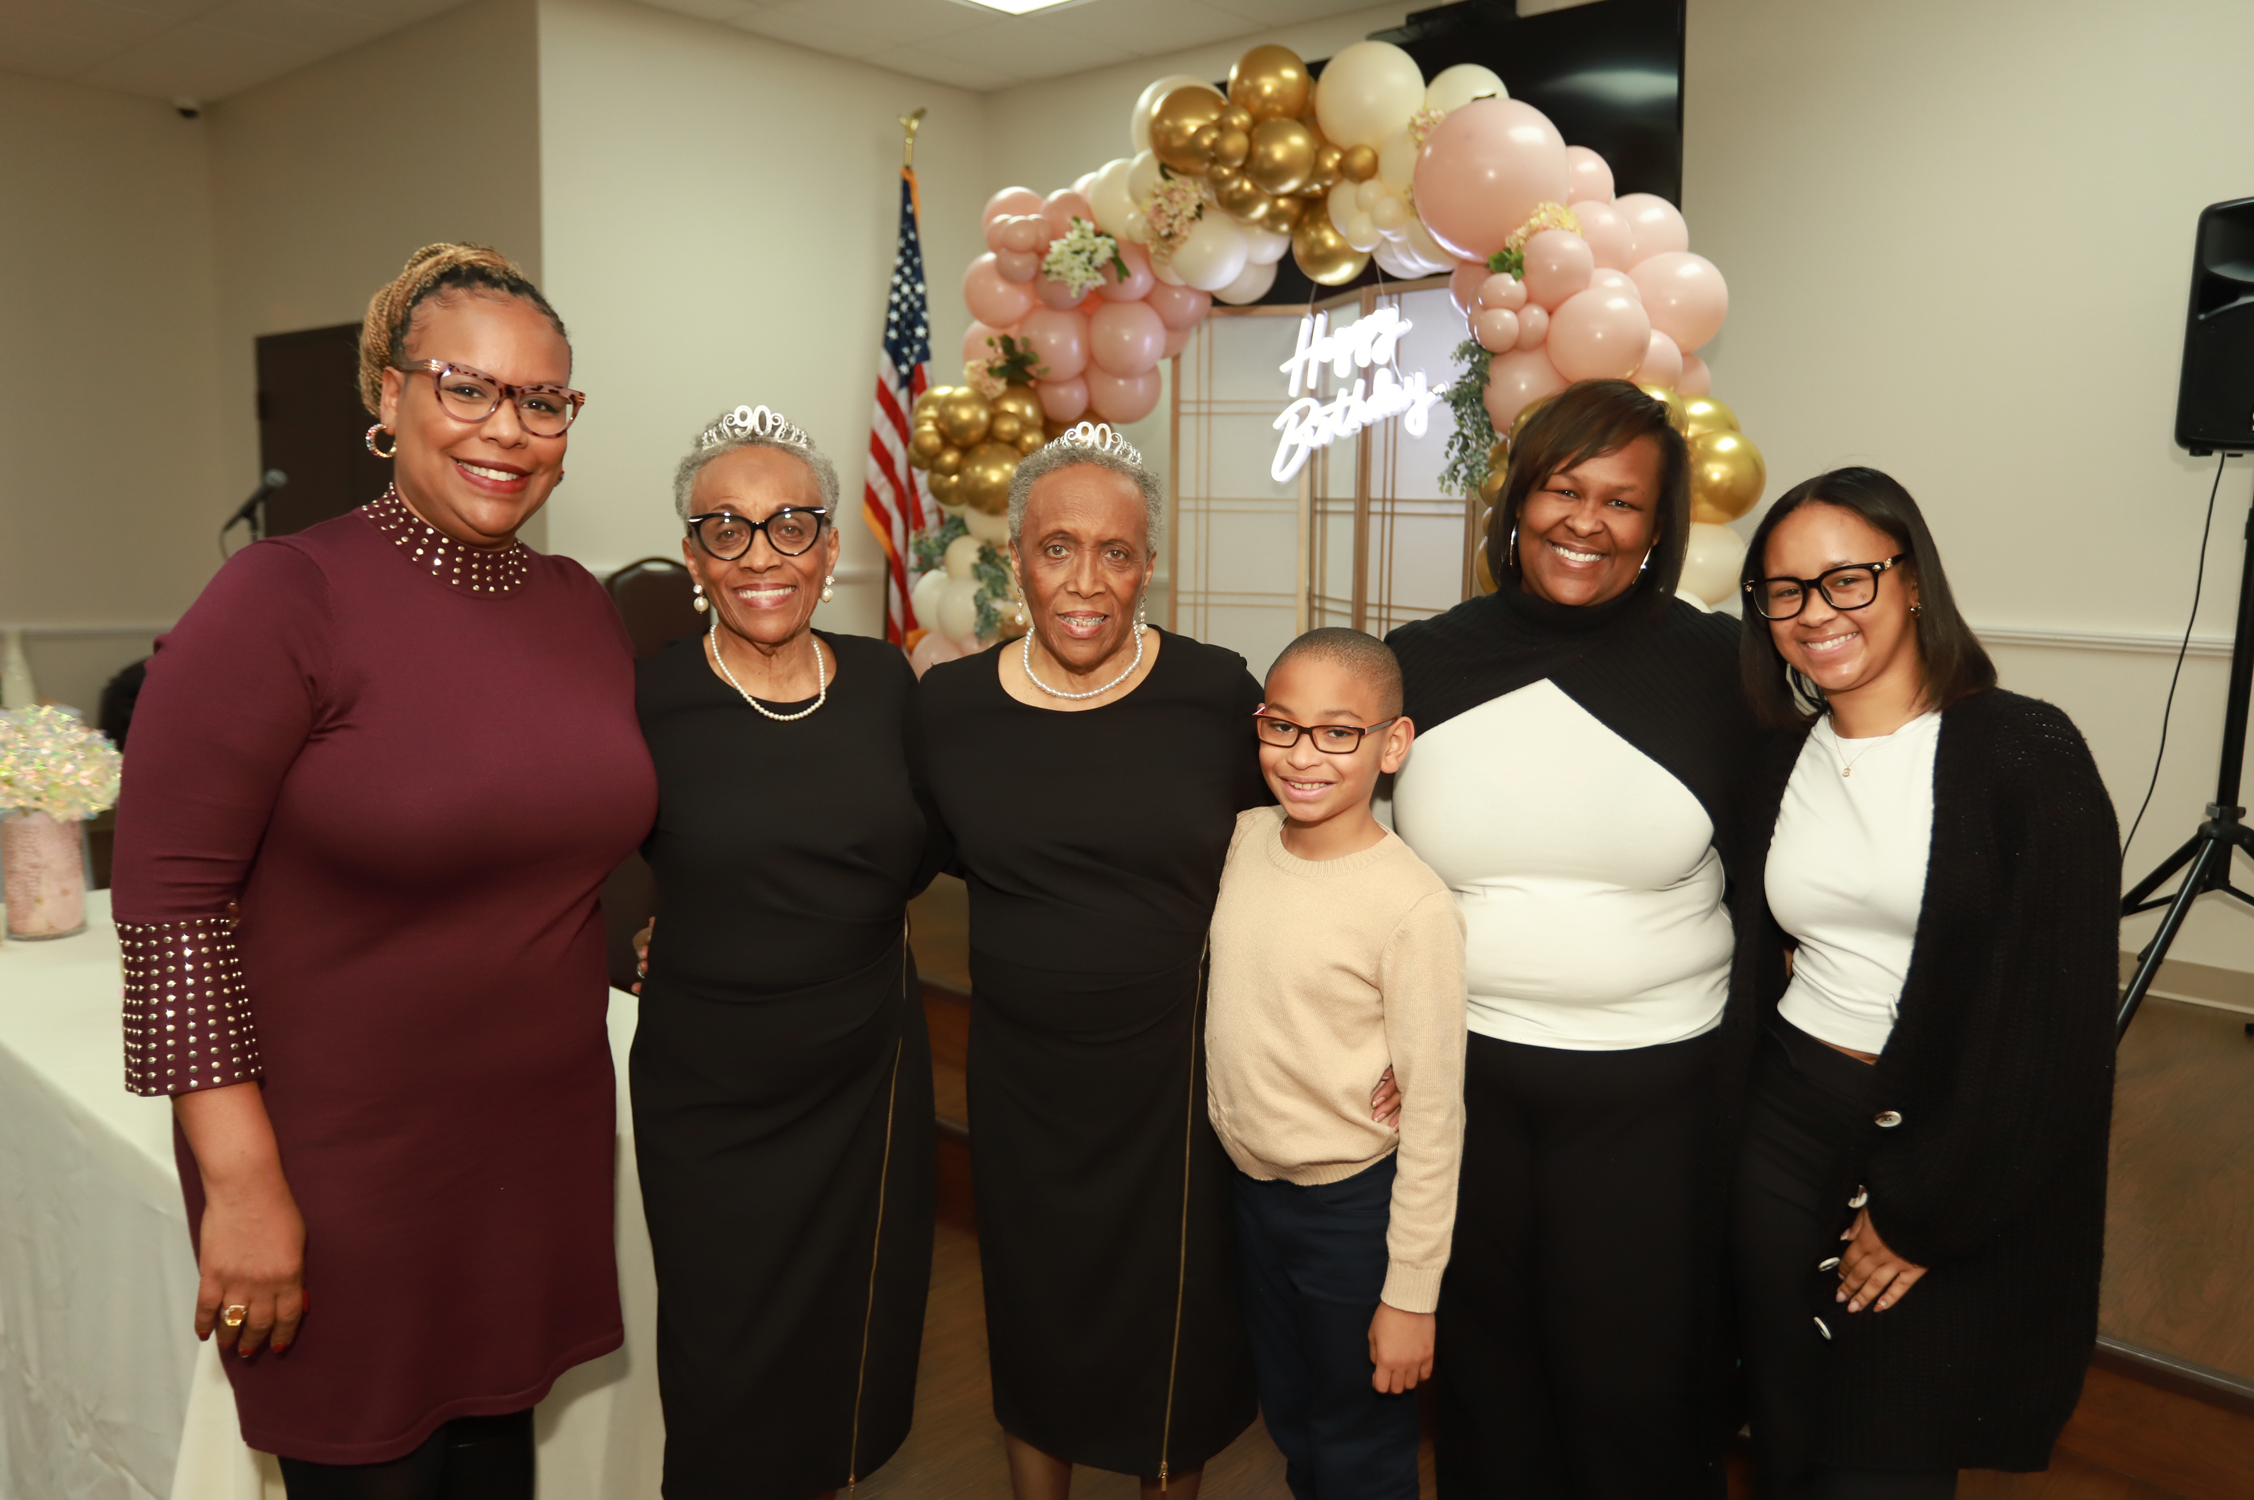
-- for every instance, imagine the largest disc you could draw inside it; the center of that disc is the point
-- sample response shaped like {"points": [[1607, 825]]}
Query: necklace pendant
{"points": [[1846, 770]]}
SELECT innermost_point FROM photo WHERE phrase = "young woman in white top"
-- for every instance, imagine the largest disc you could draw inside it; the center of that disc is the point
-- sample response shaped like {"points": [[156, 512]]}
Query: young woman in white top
{"points": [[1930, 946]]}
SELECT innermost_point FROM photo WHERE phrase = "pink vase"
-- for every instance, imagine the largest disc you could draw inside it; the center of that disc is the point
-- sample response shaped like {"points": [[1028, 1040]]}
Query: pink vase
{"points": [[43, 862]]}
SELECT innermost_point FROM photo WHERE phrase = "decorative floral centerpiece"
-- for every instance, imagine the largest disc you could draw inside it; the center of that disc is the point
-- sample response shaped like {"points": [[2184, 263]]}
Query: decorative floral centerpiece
{"points": [[1174, 208], [54, 774], [1079, 257]]}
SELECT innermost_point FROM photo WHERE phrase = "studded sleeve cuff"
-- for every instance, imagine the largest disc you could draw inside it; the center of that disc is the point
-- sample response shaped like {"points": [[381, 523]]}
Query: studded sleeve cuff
{"points": [[187, 1021]]}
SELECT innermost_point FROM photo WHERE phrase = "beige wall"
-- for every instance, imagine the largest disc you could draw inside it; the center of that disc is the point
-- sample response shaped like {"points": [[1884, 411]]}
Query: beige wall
{"points": [[718, 222], [110, 485]]}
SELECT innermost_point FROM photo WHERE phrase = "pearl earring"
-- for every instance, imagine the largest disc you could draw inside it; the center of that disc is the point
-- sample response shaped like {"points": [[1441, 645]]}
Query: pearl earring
{"points": [[698, 603], [828, 591]]}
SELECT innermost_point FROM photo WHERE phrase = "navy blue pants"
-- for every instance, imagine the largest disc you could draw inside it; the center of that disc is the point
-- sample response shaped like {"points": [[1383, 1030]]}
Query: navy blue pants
{"points": [[1313, 1260]]}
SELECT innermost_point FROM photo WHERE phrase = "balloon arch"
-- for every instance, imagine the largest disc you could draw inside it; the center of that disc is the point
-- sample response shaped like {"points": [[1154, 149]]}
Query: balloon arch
{"points": [[1083, 291]]}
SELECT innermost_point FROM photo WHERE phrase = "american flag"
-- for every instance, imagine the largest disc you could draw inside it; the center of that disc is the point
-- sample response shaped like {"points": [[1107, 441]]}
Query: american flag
{"points": [[893, 500]]}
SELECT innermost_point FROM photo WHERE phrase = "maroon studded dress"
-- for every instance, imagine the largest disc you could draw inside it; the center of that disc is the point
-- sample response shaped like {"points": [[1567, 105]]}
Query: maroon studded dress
{"points": [[409, 766]]}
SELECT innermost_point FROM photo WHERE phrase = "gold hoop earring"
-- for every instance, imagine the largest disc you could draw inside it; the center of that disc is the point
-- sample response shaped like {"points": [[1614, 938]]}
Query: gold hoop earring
{"points": [[371, 441], [1514, 546]]}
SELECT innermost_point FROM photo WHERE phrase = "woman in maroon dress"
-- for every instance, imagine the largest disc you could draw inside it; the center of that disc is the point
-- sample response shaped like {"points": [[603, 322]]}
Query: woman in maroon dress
{"points": [[383, 767]]}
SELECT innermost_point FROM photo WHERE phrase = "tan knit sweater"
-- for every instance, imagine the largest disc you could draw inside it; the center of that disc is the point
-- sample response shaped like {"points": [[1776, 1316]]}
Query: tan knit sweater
{"points": [[1323, 973]]}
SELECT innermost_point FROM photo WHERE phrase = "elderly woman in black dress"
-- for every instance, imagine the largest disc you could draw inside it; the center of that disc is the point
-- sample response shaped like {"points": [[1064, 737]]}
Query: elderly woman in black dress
{"points": [[1090, 778], [781, 1073]]}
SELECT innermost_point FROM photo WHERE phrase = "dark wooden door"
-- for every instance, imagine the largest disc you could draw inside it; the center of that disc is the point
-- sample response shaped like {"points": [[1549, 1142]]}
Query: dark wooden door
{"points": [[313, 428]]}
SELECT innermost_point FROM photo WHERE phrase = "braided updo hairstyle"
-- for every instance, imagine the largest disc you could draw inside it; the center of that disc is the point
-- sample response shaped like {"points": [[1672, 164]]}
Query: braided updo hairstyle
{"points": [[428, 272]]}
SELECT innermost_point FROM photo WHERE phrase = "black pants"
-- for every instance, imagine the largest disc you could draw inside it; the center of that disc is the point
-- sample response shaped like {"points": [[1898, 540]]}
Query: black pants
{"points": [[1578, 1317], [1808, 1101], [1312, 1261], [469, 1458]]}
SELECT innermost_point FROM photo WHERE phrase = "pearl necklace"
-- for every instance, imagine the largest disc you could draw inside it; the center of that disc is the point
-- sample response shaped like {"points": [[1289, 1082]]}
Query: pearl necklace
{"points": [[1092, 692], [821, 677]]}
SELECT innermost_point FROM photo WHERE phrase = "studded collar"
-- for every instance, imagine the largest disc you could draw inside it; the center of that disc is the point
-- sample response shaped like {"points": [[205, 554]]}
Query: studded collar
{"points": [[471, 570]]}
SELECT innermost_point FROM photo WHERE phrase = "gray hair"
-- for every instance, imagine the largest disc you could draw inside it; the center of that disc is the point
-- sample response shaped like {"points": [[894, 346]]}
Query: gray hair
{"points": [[1063, 454], [726, 440]]}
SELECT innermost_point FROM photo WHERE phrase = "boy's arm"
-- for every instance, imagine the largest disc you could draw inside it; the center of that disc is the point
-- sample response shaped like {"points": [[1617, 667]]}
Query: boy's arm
{"points": [[1421, 977]]}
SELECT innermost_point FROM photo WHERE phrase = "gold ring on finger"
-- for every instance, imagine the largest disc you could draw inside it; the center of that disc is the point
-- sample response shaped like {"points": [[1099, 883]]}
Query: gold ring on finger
{"points": [[233, 1314]]}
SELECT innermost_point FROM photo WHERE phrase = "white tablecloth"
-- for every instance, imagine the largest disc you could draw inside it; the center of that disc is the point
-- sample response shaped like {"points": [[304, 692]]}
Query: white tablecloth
{"points": [[104, 1392]]}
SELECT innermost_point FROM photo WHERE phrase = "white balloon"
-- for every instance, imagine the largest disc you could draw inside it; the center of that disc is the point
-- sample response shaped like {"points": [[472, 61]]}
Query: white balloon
{"points": [[1264, 247], [1080, 184], [1397, 160], [1164, 271], [961, 556], [924, 597], [949, 510], [1138, 226], [1453, 88], [1359, 231], [1368, 195], [1142, 175], [1394, 262], [1212, 254], [1109, 198], [1391, 216], [1250, 286], [1420, 243], [1367, 92], [1138, 124], [958, 605], [986, 528], [1710, 567]]}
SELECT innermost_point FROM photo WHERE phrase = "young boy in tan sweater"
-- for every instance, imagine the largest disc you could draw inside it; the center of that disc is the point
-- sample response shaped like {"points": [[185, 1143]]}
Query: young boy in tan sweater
{"points": [[1337, 954]]}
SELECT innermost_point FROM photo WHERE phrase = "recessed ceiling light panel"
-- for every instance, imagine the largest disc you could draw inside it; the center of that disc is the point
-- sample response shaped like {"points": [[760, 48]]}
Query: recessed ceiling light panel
{"points": [[1018, 7]]}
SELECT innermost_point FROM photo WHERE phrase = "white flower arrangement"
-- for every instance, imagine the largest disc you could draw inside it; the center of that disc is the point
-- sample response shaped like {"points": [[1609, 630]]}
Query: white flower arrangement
{"points": [[1079, 256]]}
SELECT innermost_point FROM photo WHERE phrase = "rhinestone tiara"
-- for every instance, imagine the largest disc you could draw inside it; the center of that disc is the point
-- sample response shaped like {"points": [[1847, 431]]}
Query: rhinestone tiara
{"points": [[754, 422], [1101, 437]]}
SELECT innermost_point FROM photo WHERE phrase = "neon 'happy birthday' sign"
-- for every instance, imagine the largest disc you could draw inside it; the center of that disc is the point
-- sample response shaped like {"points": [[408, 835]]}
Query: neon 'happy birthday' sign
{"points": [[1310, 423]]}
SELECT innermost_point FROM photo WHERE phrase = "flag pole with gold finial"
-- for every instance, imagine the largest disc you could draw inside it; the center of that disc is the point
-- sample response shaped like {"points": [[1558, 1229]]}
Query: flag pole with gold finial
{"points": [[909, 125]]}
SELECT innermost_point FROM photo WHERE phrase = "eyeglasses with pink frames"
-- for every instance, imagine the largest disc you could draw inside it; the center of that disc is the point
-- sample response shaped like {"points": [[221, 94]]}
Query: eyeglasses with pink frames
{"points": [[471, 395]]}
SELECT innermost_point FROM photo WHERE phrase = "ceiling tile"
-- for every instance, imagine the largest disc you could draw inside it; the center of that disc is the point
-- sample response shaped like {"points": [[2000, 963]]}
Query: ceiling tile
{"points": [[1146, 27], [1027, 48], [920, 62], [1258, 13], [198, 62], [887, 23], [803, 31], [47, 51], [290, 22]]}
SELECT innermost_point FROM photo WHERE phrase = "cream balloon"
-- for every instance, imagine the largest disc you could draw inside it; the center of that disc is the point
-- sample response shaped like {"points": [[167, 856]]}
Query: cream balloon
{"points": [[1396, 261], [924, 597], [1212, 254], [1367, 92], [1251, 284], [1142, 176], [1138, 124], [1109, 198], [958, 606], [1420, 243], [993, 529], [961, 556], [1264, 247], [1452, 88], [1710, 567], [1397, 161]]}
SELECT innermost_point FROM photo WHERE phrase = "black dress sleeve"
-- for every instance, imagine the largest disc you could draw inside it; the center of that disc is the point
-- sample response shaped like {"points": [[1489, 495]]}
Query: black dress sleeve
{"points": [[939, 844], [2029, 1076]]}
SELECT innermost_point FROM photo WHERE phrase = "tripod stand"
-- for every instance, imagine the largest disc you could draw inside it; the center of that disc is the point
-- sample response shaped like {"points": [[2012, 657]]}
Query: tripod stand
{"points": [[2205, 858]]}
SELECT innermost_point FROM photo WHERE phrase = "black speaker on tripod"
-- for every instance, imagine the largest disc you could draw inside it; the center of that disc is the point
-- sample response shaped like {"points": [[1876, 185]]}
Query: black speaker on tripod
{"points": [[2214, 413]]}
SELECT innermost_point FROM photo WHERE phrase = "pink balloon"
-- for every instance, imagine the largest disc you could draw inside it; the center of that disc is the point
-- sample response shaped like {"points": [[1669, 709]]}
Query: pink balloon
{"points": [[1663, 363], [1496, 328], [1606, 276], [1464, 283], [1011, 200], [1600, 334], [1017, 269], [1592, 179], [975, 345], [1126, 338], [1177, 339], [1059, 340], [1558, 264], [1061, 207], [994, 228], [1484, 170], [1139, 278], [1657, 225], [1123, 398], [1023, 233], [1064, 400], [1686, 295], [1612, 239], [1052, 293], [1179, 307], [1697, 379], [933, 649], [1505, 292], [1515, 379], [991, 298], [1533, 325]]}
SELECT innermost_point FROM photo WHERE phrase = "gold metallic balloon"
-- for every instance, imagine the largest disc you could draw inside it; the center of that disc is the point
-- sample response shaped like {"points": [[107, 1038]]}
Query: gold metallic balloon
{"points": [[1329, 157], [1498, 456], [1206, 138], [963, 414], [1359, 164], [1525, 414], [984, 484], [1491, 488], [1283, 155], [1702, 414], [1022, 400], [1482, 572], [1242, 199], [1230, 148], [924, 444], [1029, 441], [1727, 474], [942, 487], [1007, 427], [1237, 117], [1286, 214], [1179, 117], [1322, 252], [1221, 177], [947, 461], [1678, 416], [1271, 83], [921, 411]]}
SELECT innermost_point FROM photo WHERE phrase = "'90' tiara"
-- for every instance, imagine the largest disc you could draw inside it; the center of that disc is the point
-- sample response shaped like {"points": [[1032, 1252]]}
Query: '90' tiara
{"points": [[754, 422], [1101, 437]]}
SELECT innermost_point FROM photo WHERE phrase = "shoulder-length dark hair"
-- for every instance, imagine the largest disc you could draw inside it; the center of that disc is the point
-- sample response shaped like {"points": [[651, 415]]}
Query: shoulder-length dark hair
{"points": [[1587, 420], [1955, 664]]}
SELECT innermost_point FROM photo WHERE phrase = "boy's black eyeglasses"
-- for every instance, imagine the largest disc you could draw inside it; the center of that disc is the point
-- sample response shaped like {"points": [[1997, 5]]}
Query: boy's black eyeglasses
{"points": [[1852, 586], [1331, 739], [790, 531]]}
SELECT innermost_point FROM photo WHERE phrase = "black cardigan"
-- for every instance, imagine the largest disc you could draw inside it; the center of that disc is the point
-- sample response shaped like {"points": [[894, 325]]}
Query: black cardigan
{"points": [[2001, 1067]]}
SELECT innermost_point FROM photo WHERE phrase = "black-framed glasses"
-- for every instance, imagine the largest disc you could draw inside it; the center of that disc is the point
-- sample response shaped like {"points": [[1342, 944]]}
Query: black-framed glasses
{"points": [[1850, 586], [727, 536], [1331, 739], [470, 395]]}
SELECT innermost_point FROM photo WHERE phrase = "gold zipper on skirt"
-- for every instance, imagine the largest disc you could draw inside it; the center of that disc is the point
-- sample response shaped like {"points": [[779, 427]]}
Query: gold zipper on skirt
{"points": [[1182, 1261], [876, 1249]]}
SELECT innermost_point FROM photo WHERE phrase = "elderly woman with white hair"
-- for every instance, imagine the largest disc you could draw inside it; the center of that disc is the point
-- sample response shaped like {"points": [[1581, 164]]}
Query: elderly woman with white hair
{"points": [[1090, 778], [781, 1072]]}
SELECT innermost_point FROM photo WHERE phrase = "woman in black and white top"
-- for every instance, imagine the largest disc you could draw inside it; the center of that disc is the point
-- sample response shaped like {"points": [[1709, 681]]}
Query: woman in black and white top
{"points": [[1580, 745], [1920, 1205]]}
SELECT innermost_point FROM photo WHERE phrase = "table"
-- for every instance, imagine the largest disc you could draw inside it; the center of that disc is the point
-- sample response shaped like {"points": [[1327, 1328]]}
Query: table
{"points": [[104, 1392]]}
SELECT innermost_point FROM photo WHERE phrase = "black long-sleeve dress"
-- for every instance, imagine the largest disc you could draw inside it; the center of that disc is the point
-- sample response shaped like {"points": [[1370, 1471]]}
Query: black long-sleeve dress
{"points": [[782, 1075], [1093, 843]]}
